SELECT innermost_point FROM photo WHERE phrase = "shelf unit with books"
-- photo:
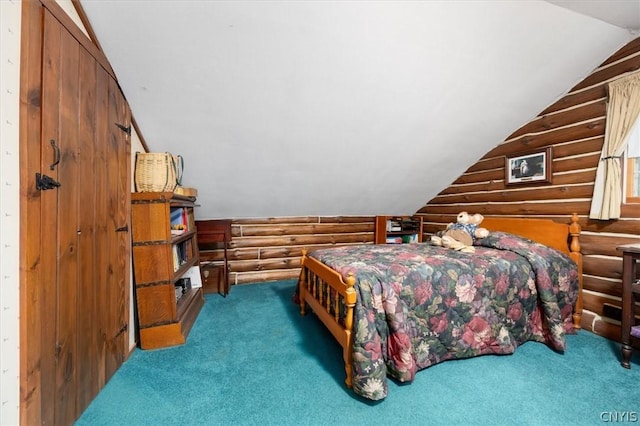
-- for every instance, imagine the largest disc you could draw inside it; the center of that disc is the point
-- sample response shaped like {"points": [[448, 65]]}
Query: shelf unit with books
{"points": [[398, 229], [168, 287]]}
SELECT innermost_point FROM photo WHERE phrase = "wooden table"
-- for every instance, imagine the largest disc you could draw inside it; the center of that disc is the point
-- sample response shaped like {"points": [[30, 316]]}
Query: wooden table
{"points": [[630, 287]]}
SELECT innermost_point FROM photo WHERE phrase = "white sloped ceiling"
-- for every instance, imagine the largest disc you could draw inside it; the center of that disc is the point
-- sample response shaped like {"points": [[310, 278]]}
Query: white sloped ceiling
{"points": [[284, 108]]}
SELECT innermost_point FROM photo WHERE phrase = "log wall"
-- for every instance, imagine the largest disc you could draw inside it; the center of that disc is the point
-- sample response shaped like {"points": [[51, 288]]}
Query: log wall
{"points": [[270, 249], [574, 127]]}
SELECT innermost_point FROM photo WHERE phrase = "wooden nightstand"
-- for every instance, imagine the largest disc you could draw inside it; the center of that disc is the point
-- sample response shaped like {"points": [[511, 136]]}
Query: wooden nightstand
{"points": [[630, 287], [212, 234]]}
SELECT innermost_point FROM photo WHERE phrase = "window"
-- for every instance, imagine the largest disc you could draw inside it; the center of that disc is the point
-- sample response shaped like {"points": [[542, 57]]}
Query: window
{"points": [[632, 166], [610, 189]]}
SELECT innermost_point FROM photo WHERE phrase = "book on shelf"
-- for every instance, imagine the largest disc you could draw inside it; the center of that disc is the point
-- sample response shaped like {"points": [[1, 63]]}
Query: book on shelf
{"points": [[188, 250], [181, 287], [176, 259], [394, 240], [182, 253], [410, 238], [402, 225], [185, 220], [176, 216], [393, 226], [194, 276], [180, 222]]}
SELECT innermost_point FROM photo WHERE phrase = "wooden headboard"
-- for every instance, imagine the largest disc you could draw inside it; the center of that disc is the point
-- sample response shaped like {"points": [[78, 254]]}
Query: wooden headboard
{"points": [[553, 234]]}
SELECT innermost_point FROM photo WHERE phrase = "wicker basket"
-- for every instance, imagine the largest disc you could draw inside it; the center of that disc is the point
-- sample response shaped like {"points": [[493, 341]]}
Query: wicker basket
{"points": [[157, 171]]}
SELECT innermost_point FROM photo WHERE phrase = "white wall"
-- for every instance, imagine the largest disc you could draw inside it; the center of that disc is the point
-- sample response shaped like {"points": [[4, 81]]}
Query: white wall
{"points": [[136, 146], [10, 20], [10, 211], [339, 107]]}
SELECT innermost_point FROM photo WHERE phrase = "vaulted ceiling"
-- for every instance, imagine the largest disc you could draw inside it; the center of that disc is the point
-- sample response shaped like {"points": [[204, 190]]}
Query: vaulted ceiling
{"points": [[285, 108]]}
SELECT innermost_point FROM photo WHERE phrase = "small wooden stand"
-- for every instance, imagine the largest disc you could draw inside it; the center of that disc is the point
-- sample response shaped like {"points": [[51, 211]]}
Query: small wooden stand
{"points": [[630, 287], [212, 234]]}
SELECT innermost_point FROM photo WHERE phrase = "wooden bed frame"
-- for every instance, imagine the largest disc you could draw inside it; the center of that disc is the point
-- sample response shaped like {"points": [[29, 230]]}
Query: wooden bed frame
{"points": [[325, 290]]}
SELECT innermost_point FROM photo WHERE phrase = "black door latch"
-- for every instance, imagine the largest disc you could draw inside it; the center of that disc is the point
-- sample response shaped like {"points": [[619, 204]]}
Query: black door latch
{"points": [[44, 182]]}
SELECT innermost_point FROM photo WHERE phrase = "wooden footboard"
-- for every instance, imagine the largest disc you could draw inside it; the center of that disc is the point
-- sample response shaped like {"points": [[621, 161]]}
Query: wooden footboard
{"points": [[324, 290], [333, 298]]}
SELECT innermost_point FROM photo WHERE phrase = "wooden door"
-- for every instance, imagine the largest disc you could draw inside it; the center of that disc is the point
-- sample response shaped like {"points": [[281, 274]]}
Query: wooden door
{"points": [[75, 309]]}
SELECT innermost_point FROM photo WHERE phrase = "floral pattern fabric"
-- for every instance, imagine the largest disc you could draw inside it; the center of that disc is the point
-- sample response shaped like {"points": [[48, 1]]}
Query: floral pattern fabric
{"points": [[418, 305]]}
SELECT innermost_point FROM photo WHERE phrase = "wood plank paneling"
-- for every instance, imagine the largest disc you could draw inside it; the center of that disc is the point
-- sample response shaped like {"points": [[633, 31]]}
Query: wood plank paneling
{"points": [[68, 215], [529, 142], [626, 225], [521, 194], [100, 213], [50, 130], [32, 264], [118, 202], [527, 208], [87, 353], [591, 109], [602, 285], [605, 245], [607, 267]]}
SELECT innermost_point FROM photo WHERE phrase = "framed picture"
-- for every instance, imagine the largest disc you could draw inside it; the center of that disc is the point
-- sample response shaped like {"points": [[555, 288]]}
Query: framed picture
{"points": [[534, 167]]}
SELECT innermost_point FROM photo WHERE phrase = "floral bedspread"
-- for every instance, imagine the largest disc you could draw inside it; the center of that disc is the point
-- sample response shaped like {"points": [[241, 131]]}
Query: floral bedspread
{"points": [[419, 305]]}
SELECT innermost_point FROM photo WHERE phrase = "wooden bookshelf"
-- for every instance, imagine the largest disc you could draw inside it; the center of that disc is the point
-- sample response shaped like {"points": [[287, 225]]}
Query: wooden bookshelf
{"points": [[398, 229], [165, 249]]}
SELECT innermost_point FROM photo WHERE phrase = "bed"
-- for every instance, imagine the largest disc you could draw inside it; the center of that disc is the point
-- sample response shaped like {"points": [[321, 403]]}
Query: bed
{"points": [[399, 308]]}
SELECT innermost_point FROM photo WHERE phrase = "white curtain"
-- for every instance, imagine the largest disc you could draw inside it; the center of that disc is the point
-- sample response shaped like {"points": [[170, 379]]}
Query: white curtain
{"points": [[622, 111]]}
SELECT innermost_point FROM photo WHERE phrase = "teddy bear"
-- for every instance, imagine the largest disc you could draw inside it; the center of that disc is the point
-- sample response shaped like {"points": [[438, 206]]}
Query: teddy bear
{"points": [[461, 235]]}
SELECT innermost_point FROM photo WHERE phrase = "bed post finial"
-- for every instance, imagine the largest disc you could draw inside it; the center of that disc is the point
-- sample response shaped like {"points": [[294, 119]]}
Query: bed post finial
{"points": [[302, 283], [574, 246], [574, 231], [349, 301]]}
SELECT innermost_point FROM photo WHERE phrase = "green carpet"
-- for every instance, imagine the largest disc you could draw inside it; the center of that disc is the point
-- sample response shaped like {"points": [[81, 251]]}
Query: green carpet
{"points": [[251, 359]]}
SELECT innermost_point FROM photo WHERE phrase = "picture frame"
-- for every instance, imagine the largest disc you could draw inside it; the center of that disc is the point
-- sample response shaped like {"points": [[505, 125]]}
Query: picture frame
{"points": [[531, 168]]}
